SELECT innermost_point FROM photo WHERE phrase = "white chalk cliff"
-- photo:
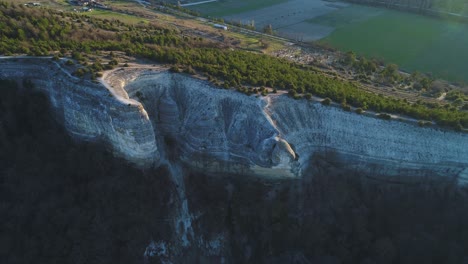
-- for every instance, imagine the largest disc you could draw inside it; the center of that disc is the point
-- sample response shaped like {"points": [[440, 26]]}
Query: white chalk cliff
{"points": [[88, 111], [143, 110]]}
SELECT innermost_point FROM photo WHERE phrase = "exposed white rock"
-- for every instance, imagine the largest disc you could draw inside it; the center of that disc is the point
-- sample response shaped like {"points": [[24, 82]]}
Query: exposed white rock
{"points": [[224, 131], [89, 111], [214, 129], [221, 130], [394, 147]]}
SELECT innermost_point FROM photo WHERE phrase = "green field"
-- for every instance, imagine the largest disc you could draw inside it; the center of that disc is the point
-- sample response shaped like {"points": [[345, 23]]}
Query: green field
{"points": [[230, 7], [105, 14], [413, 42]]}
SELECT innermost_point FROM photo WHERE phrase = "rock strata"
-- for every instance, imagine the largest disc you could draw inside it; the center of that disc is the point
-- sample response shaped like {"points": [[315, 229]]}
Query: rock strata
{"points": [[89, 111], [144, 114], [225, 130]]}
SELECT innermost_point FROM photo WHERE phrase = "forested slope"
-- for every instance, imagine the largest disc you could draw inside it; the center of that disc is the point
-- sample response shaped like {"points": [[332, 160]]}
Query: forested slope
{"points": [[40, 32]]}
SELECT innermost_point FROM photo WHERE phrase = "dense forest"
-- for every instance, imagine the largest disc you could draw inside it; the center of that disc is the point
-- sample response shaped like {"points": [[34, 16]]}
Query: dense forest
{"points": [[41, 32], [68, 202]]}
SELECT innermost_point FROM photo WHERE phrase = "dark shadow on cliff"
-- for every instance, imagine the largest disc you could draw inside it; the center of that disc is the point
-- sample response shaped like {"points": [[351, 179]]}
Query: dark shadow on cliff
{"points": [[334, 215], [68, 202]]}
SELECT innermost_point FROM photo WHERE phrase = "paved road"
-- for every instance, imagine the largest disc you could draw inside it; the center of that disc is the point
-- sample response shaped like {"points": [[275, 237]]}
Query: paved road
{"points": [[198, 3]]}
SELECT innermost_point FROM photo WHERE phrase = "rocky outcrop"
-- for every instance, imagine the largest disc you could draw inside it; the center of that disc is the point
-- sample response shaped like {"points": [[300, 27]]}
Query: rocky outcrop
{"points": [[89, 111], [275, 135], [152, 117], [211, 128], [147, 115], [367, 144]]}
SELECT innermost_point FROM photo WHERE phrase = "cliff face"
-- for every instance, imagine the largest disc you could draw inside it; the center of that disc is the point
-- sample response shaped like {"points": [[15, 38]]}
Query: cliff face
{"points": [[88, 111], [195, 132], [369, 144], [211, 128], [275, 135], [223, 131]]}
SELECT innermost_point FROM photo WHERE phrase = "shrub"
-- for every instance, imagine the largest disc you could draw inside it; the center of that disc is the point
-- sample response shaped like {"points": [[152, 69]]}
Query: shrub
{"points": [[359, 110], [292, 92], [190, 70], [423, 123], [79, 72], [77, 56], [108, 67], [384, 116], [326, 101], [174, 68]]}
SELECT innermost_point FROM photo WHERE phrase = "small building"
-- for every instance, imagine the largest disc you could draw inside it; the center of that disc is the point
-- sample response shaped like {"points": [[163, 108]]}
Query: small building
{"points": [[220, 26], [33, 4]]}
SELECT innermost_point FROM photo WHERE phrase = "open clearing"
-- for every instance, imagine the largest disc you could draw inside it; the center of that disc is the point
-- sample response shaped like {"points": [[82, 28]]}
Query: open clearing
{"points": [[105, 14], [414, 42]]}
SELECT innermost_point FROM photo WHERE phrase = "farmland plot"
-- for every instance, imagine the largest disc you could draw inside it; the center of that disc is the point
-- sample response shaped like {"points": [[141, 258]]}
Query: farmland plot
{"points": [[288, 17], [224, 8], [412, 41]]}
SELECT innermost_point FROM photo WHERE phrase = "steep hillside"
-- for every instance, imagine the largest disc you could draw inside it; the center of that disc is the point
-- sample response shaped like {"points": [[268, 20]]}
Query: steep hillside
{"points": [[142, 111], [88, 111], [208, 124], [67, 201], [61, 34], [105, 159]]}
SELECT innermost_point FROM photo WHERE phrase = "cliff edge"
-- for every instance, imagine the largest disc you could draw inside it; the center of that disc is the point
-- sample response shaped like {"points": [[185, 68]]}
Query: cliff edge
{"points": [[149, 115], [221, 130], [88, 111]]}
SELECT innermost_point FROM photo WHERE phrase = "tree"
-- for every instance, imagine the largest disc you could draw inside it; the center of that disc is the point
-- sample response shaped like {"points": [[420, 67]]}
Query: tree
{"points": [[252, 24], [268, 29], [175, 69], [21, 34], [350, 58], [326, 101], [390, 73]]}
